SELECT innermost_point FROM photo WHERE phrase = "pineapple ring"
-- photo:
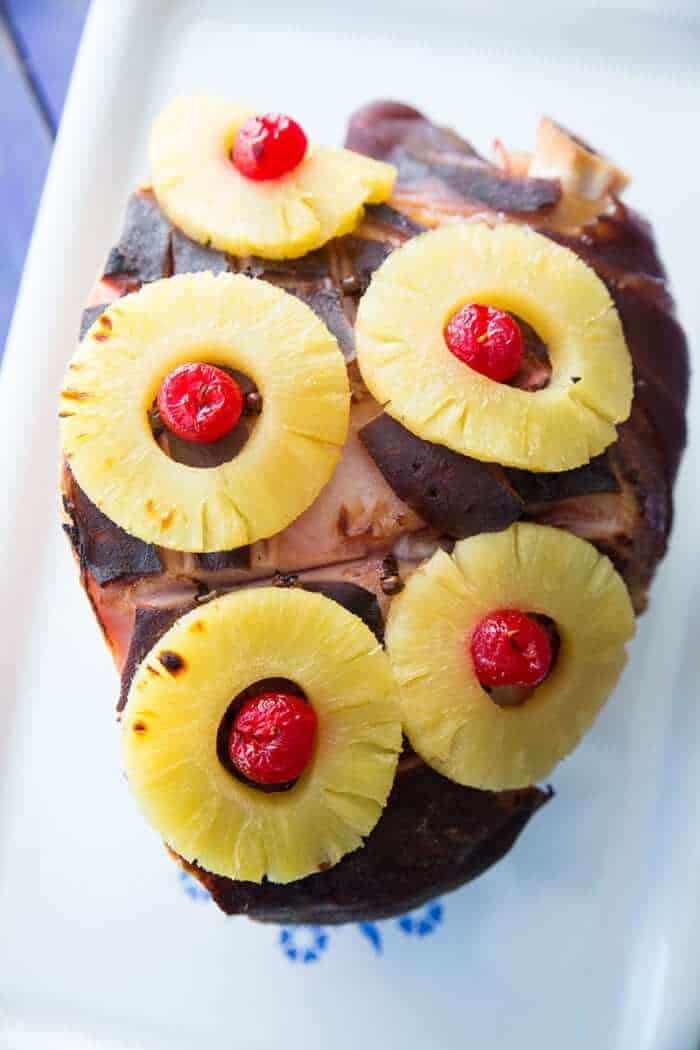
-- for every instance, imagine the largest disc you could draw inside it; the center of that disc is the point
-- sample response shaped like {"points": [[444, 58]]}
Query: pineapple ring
{"points": [[448, 717], [171, 722], [225, 319], [404, 360], [201, 191]]}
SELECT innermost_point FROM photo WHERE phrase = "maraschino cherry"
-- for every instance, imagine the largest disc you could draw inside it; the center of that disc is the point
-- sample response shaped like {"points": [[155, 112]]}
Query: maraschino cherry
{"points": [[508, 647], [486, 339], [268, 146], [199, 402], [272, 737]]}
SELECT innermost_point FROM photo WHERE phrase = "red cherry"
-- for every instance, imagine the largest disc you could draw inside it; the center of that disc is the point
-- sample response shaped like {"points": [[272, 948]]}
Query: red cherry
{"points": [[199, 403], [268, 146], [510, 648], [486, 339], [272, 738]]}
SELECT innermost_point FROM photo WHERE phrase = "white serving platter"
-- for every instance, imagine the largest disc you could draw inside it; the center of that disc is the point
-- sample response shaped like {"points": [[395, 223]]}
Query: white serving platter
{"points": [[586, 936]]}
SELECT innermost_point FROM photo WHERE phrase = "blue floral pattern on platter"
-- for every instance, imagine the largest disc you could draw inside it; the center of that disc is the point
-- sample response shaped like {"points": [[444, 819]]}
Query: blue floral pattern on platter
{"points": [[304, 944], [423, 922], [190, 886], [307, 944]]}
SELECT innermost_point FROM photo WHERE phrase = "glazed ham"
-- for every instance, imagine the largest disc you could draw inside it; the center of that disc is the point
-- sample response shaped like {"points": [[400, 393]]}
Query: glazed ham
{"points": [[373, 523]]}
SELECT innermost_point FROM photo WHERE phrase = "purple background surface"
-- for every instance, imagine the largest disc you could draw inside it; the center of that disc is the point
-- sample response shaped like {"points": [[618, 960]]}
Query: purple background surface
{"points": [[38, 41]]}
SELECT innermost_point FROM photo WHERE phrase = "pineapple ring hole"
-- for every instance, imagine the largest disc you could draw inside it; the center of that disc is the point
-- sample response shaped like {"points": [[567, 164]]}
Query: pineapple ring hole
{"points": [[212, 453], [263, 685], [515, 695], [535, 371]]}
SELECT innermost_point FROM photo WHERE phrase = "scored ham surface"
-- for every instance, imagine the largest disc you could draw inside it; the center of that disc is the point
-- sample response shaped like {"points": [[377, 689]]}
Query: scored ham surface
{"points": [[368, 521]]}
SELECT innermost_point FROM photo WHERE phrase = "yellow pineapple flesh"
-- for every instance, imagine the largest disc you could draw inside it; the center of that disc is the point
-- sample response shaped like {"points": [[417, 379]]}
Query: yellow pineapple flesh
{"points": [[450, 720], [407, 366], [171, 722], [201, 191], [230, 320]]}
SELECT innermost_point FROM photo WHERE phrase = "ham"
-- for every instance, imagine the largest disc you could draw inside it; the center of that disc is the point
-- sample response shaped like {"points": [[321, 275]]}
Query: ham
{"points": [[373, 524]]}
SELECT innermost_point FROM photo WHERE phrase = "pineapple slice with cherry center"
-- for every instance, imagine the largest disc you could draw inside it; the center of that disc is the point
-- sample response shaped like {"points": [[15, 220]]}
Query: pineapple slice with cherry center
{"points": [[432, 637], [181, 695], [252, 185], [172, 331], [412, 355]]}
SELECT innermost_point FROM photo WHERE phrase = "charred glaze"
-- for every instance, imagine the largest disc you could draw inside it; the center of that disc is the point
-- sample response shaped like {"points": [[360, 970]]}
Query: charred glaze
{"points": [[433, 836], [314, 266], [392, 221], [172, 662], [621, 250], [660, 353], [103, 548], [357, 600], [422, 152], [191, 257], [595, 476], [365, 256], [89, 316], [143, 250], [456, 494], [220, 560], [327, 303], [150, 624]]}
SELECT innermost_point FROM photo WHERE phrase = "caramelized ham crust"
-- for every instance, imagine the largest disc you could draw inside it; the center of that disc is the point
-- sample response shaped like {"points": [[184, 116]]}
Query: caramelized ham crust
{"points": [[374, 519], [433, 837]]}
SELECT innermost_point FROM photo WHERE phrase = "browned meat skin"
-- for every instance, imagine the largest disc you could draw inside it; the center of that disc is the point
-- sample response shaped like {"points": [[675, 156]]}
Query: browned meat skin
{"points": [[143, 250], [646, 485], [90, 315], [455, 494], [424, 153], [190, 257], [104, 550], [433, 836], [357, 600], [328, 304], [621, 249], [150, 624], [596, 476]]}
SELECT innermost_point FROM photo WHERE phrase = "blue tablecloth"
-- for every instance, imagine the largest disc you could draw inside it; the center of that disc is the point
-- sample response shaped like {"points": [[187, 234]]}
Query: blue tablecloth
{"points": [[38, 41]]}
